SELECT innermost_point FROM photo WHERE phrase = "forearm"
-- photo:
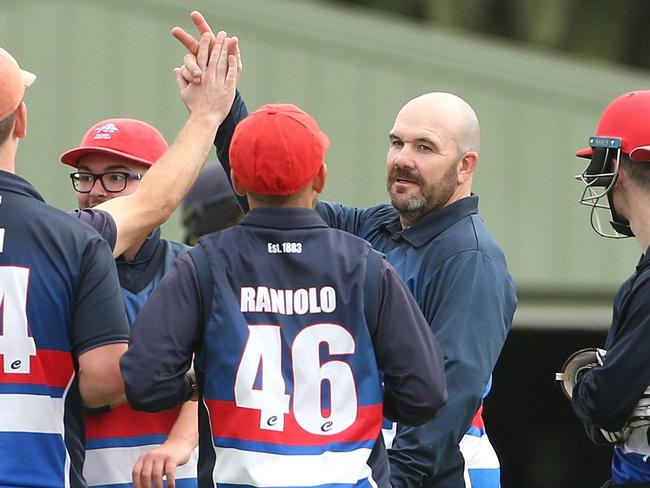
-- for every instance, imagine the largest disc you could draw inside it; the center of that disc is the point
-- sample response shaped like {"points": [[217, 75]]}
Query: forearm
{"points": [[238, 112], [186, 428], [162, 341], [165, 184], [100, 382]]}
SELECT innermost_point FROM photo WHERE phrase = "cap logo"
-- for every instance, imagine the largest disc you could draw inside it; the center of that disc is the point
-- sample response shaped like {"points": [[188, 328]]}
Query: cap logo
{"points": [[105, 131]]}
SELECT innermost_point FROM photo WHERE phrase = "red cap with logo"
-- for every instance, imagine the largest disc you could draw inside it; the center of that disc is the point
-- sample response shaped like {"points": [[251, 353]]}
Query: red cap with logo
{"points": [[13, 83], [277, 150], [129, 138], [627, 118]]}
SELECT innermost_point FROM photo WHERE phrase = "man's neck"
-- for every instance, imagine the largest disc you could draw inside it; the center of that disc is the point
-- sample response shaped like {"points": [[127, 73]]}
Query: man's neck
{"points": [[639, 218], [132, 252], [8, 157]]}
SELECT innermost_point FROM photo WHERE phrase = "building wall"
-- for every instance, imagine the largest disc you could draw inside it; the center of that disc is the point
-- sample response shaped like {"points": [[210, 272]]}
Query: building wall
{"points": [[353, 70]]}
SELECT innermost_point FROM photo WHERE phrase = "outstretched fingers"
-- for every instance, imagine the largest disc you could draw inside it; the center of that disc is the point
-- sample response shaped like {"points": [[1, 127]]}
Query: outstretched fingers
{"points": [[233, 49], [181, 82], [201, 24], [233, 73], [187, 39], [204, 52]]}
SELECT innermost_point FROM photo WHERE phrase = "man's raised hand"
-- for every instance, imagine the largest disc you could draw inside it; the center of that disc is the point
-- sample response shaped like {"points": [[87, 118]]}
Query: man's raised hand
{"points": [[214, 94], [191, 70]]}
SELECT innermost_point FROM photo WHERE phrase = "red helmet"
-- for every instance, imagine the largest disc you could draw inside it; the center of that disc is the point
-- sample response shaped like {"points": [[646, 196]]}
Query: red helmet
{"points": [[624, 128], [626, 118]]}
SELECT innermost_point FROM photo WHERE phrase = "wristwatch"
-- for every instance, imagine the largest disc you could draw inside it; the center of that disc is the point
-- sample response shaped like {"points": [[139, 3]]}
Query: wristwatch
{"points": [[191, 387]]}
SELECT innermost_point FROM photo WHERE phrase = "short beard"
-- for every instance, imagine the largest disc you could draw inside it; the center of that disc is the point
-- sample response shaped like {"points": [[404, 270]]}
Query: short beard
{"points": [[429, 201], [416, 208]]}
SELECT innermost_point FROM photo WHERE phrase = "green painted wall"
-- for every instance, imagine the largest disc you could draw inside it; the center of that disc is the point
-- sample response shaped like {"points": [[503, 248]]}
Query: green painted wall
{"points": [[353, 70]]}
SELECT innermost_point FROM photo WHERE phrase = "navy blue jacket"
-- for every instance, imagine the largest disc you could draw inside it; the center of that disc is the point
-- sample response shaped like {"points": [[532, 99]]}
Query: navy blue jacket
{"points": [[140, 277], [605, 396], [458, 276], [286, 250]]}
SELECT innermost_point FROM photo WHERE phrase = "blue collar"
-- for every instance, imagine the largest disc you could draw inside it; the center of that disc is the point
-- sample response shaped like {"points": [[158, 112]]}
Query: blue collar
{"points": [[430, 226], [283, 218], [146, 251], [16, 184]]}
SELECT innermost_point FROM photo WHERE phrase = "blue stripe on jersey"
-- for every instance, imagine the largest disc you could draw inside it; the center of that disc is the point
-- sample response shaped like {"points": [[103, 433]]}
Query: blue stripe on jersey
{"points": [[484, 478], [361, 484], [270, 448], [17, 388], [475, 432], [629, 467], [142, 440], [180, 483], [29, 459]]}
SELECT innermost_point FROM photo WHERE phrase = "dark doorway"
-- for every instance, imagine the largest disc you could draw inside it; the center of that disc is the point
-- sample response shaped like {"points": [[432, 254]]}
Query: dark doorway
{"points": [[539, 440]]}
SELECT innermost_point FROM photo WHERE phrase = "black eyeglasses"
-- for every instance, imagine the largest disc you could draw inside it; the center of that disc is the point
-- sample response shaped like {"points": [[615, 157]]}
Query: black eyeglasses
{"points": [[112, 181]]}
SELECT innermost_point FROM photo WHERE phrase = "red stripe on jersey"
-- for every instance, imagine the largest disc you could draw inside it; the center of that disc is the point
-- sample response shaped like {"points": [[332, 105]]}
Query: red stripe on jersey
{"points": [[234, 422], [49, 367], [123, 421], [477, 421]]}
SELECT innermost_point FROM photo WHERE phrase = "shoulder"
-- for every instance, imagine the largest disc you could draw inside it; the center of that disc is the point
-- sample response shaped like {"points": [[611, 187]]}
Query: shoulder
{"points": [[176, 248], [102, 222], [471, 236], [58, 228]]}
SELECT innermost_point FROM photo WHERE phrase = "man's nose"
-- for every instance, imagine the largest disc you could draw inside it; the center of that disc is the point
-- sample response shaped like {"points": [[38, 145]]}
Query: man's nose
{"points": [[404, 158], [97, 188]]}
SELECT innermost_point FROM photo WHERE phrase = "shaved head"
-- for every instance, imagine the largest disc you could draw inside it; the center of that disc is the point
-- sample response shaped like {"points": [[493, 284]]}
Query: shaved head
{"points": [[450, 113], [432, 156]]}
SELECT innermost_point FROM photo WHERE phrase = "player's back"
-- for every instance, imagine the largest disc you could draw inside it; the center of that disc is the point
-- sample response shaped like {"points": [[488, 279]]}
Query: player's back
{"points": [[288, 292], [46, 266]]}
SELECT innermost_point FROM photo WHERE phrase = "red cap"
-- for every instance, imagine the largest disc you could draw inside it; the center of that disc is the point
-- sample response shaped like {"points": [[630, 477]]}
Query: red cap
{"points": [[277, 150], [627, 118], [13, 83], [129, 138]]}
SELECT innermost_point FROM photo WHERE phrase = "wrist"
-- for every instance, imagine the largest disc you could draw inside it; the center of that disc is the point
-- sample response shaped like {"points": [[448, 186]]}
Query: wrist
{"points": [[191, 386]]}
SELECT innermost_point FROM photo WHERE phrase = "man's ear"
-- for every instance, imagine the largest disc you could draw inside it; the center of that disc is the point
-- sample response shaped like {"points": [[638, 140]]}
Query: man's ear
{"points": [[320, 179], [20, 122], [467, 166], [237, 185]]}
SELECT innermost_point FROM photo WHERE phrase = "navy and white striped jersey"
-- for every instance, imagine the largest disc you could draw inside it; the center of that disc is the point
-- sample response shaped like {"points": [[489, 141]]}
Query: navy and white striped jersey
{"points": [[59, 297], [117, 438]]}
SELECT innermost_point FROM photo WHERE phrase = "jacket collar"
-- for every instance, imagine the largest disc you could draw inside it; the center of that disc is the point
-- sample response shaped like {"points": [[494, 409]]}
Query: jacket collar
{"points": [[283, 218], [15, 184], [147, 250], [430, 226]]}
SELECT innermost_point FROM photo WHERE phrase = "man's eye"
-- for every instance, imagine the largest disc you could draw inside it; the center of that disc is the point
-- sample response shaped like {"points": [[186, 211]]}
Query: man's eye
{"points": [[424, 148], [85, 178], [396, 143], [116, 177]]}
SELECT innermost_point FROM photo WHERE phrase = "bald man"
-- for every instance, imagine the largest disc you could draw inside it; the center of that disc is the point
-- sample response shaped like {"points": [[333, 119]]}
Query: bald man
{"points": [[435, 239], [433, 236]]}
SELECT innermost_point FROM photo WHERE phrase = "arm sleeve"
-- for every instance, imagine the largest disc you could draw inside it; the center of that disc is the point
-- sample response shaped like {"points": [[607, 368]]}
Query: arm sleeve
{"points": [[469, 304], [349, 219], [99, 316], [366, 223], [163, 338], [238, 112], [407, 354], [605, 396], [99, 220]]}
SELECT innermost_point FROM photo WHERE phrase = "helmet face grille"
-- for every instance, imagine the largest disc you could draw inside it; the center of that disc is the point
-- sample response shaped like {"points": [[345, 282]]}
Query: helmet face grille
{"points": [[599, 178]]}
